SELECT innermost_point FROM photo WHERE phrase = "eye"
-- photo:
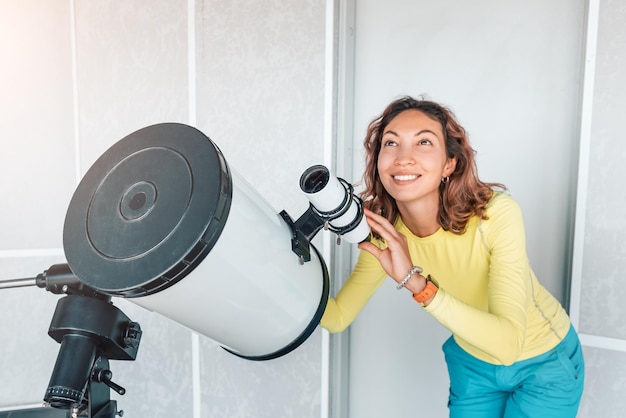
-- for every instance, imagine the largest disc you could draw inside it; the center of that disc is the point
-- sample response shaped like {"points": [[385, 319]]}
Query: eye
{"points": [[424, 141], [389, 143]]}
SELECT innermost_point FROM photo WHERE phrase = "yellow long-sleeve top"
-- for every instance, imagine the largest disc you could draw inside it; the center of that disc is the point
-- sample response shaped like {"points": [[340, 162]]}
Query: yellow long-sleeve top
{"points": [[488, 297]]}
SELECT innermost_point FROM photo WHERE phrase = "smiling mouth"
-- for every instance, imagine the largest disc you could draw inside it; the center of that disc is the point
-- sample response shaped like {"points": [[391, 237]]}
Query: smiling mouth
{"points": [[405, 177]]}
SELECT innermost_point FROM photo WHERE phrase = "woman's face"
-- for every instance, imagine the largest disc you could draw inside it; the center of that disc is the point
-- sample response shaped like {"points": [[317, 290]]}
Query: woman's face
{"points": [[412, 159]]}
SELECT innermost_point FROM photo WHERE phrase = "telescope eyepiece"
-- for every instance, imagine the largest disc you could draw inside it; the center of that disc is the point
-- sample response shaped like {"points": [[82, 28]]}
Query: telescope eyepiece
{"points": [[334, 201], [314, 179]]}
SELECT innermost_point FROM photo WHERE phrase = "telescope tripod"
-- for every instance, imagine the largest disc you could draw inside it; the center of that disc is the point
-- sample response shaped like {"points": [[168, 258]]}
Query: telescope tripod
{"points": [[91, 331]]}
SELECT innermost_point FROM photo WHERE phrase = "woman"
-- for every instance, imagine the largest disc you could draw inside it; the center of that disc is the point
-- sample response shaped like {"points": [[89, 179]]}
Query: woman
{"points": [[458, 246]]}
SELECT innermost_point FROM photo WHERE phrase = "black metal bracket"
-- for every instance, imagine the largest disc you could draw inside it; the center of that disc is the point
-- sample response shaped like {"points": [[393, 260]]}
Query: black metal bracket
{"points": [[310, 222], [303, 231]]}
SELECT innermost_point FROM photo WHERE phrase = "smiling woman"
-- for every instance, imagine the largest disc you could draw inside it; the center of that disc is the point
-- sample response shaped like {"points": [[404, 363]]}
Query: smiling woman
{"points": [[425, 120], [412, 163], [430, 212]]}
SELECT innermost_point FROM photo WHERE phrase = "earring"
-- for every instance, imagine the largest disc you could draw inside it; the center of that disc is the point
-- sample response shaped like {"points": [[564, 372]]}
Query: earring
{"points": [[444, 180]]}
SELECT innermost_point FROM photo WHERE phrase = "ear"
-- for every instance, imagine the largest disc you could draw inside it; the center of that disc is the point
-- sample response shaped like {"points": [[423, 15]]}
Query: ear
{"points": [[449, 166]]}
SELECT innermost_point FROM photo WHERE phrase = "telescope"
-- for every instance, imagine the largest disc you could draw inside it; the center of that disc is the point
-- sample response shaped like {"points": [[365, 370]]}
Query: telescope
{"points": [[162, 220]]}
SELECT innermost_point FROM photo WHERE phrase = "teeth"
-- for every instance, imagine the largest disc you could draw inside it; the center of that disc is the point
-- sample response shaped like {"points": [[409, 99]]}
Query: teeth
{"points": [[405, 177]]}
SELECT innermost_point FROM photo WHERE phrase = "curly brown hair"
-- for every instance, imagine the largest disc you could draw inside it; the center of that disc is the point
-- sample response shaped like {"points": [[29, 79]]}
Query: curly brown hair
{"points": [[461, 196]]}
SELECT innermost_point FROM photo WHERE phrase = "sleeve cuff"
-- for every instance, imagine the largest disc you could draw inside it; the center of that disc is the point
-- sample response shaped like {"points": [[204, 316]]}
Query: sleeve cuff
{"points": [[437, 304]]}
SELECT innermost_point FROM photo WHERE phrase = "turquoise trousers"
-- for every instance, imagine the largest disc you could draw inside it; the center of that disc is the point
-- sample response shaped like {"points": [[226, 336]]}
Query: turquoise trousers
{"points": [[547, 386]]}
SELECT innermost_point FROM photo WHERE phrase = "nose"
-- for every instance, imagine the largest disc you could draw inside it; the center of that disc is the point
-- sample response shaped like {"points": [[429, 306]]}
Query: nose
{"points": [[404, 156]]}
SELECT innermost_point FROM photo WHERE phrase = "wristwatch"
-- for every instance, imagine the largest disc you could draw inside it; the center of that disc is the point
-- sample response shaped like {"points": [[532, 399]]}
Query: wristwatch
{"points": [[431, 288]]}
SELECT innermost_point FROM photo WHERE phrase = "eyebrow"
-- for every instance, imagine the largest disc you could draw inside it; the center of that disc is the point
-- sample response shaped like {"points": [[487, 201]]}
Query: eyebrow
{"points": [[417, 134]]}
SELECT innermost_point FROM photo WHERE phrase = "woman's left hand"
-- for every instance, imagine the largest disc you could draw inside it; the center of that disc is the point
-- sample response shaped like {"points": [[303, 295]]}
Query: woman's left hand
{"points": [[395, 259]]}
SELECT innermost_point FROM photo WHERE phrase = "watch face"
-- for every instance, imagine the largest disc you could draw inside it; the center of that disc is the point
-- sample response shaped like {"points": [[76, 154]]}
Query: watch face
{"points": [[431, 279]]}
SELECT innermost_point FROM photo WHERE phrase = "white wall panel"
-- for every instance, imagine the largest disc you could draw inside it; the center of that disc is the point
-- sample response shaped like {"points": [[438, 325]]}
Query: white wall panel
{"points": [[36, 122], [259, 83], [598, 288], [601, 310], [511, 72], [260, 78]]}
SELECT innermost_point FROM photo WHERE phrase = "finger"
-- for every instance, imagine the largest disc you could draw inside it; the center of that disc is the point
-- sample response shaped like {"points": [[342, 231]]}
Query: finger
{"points": [[373, 215], [381, 221], [386, 231], [370, 248], [380, 224]]}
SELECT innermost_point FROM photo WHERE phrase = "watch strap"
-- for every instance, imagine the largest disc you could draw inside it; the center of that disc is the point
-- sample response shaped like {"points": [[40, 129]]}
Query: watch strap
{"points": [[426, 293]]}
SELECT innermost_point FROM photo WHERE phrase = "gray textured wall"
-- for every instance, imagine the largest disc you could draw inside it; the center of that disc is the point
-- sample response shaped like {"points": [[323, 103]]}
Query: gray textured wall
{"points": [[602, 287], [259, 84]]}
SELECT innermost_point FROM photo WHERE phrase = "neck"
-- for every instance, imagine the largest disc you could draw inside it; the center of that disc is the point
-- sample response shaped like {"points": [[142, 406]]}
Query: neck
{"points": [[420, 217]]}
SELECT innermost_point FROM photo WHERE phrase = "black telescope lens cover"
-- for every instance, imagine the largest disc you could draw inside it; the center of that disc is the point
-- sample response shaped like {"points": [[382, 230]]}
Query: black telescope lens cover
{"points": [[148, 211], [314, 179]]}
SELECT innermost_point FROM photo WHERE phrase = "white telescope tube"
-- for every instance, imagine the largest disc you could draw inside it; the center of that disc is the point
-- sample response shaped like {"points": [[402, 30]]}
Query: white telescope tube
{"points": [[334, 201], [161, 219]]}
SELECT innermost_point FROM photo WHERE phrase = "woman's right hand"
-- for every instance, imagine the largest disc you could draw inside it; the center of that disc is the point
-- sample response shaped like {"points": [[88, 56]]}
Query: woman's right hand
{"points": [[395, 259]]}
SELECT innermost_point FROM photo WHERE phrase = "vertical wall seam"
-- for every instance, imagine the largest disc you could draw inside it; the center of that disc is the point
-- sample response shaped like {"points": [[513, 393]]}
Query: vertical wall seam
{"points": [[75, 111], [328, 155], [339, 344], [191, 86], [591, 39], [195, 375], [191, 60]]}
